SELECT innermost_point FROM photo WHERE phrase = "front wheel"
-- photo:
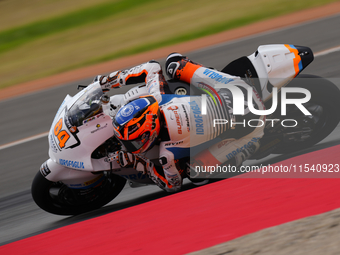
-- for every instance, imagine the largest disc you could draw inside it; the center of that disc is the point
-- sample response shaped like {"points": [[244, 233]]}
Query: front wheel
{"points": [[57, 198], [324, 106]]}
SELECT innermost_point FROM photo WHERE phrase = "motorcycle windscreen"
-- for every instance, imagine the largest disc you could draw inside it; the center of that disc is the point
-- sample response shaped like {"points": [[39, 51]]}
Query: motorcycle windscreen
{"points": [[86, 107]]}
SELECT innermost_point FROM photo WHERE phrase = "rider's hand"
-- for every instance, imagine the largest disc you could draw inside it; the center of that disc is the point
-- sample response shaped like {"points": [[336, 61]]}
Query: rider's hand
{"points": [[110, 81], [127, 159], [113, 79]]}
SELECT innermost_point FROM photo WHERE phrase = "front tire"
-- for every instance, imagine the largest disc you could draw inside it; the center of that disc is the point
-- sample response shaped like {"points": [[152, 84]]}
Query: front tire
{"points": [[57, 198]]}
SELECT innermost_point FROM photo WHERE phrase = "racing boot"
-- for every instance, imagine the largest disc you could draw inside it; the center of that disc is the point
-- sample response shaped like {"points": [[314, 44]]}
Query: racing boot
{"points": [[196, 177], [179, 67]]}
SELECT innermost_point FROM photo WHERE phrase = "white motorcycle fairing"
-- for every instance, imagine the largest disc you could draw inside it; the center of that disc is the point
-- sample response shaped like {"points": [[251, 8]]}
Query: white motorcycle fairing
{"points": [[79, 127]]}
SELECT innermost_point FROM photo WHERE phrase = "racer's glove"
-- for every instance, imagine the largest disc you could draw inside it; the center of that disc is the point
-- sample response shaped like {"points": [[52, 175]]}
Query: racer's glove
{"points": [[127, 159], [110, 81]]}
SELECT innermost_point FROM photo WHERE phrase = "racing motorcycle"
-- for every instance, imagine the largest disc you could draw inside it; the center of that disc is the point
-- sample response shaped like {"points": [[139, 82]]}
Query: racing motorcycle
{"points": [[82, 174]]}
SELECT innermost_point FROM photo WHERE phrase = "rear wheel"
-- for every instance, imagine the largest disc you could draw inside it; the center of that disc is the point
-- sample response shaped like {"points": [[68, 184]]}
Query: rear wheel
{"points": [[57, 198], [178, 87], [324, 106], [181, 91]]}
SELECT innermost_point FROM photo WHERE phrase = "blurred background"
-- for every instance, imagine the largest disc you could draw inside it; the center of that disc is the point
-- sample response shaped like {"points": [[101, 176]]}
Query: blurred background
{"points": [[39, 38]]}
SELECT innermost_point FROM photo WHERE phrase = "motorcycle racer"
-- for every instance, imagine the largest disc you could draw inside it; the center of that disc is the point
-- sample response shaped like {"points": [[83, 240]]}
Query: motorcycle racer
{"points": [[177, 122]]}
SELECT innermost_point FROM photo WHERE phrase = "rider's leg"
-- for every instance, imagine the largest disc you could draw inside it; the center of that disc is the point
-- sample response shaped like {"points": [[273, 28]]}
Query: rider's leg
{"points": [[238, 142]]}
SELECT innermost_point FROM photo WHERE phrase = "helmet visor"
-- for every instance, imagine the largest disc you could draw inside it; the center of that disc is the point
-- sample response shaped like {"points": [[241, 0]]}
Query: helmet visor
{"points": [[136, 144]]}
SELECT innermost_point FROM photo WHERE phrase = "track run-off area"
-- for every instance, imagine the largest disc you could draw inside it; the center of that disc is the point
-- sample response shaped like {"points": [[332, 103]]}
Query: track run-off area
{"points": [[198, 218]]}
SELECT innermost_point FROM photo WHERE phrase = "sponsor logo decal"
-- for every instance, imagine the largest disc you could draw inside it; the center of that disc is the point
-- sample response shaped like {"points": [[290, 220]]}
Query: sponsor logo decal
{"points": [[53, 145], [90, 119], [127, 111], [178, 122], [186, 118], [99, 128], [245, 146], [210, 91], [93, 181], [173, 143], [44, 170], [173, 178], [196, 110], [216, 76], [71, 163], [174, 108]]}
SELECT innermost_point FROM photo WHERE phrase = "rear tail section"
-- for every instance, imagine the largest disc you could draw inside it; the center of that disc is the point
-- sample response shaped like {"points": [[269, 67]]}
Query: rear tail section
{"points": [[277, 64]]}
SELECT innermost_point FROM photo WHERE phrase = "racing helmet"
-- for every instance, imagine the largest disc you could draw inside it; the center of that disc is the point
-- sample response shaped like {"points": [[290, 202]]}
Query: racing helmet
{"points": [[137, 124]]}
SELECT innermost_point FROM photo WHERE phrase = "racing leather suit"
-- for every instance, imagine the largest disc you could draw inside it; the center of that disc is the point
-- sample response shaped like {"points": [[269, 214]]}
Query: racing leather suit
{"points": [[186, 128]]}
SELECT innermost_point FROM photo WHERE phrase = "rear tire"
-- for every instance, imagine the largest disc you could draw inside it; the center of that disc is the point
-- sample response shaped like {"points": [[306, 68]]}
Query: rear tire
{"points": [[181, 91], [324, 102], [178, 87], [64, 201]]}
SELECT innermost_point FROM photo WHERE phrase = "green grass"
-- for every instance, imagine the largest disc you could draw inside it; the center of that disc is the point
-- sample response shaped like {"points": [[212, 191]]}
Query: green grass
{"points": [[12, 38], [213, 29], [111, 29]]}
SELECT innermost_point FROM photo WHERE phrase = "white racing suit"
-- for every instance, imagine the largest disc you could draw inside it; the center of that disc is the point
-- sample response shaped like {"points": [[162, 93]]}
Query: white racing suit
{"points": [[191, 134]]}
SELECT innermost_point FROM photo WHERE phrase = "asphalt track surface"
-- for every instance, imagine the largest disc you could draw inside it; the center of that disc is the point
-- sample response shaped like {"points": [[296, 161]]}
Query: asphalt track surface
{"points": [[32, 114]]}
